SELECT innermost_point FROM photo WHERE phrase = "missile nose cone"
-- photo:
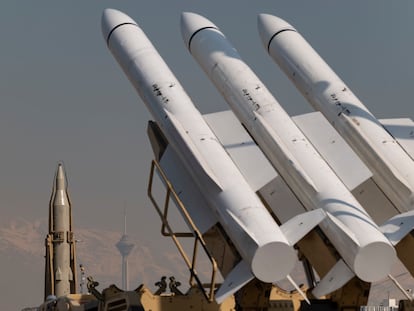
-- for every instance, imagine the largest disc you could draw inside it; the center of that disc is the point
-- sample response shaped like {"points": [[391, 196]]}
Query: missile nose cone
{"points": [[191, 23], [60, 177], [112, 18], [269, 26]]}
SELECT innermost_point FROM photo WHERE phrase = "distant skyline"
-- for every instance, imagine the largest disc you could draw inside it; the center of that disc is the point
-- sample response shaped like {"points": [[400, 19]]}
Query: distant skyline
{"points": [[64, 98]]}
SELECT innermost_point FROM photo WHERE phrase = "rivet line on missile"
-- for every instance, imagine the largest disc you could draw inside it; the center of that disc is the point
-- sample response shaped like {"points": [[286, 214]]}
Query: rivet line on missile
{"points": [[283, 30], [201, 29], [113, 29]]}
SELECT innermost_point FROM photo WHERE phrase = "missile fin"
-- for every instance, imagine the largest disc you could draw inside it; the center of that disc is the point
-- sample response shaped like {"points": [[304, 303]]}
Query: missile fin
{"points": [[285, 150], [403, 132], [297, 227], [157, 139], [246, 230], [191, 147], [241, 148], [340, 157], [235, 280], [277, 196], [70, 276], [397, 227], [333, 149], [332, 220], [187, 191], [338, 276], [58, 274]]}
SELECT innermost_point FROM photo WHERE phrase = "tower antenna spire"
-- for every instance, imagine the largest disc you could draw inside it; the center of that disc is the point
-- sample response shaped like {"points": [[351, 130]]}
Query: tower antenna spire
{"points": [[125, 222]]}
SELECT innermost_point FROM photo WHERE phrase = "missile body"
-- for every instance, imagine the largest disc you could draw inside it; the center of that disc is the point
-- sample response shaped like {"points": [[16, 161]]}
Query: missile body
{"points": [[60, 247], [255, 234], [357, 238], [392, 167]]}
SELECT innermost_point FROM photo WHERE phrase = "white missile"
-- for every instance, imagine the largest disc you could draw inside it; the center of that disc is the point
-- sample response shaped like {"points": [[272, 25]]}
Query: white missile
{"points": [[354, 234], [392, 166], [266, 252], [60, 279]]}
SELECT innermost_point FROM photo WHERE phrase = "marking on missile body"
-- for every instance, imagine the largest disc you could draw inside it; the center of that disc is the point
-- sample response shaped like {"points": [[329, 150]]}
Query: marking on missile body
{"points": [[157, 90], [250, 98], [340, 105]]}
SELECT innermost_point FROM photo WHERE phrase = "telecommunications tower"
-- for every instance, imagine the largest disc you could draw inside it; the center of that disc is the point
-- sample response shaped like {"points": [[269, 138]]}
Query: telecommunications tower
{"points": [[125, 247]]}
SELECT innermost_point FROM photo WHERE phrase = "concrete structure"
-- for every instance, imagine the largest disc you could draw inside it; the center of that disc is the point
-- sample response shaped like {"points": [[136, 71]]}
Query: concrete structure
{"points": [[125, 247]]}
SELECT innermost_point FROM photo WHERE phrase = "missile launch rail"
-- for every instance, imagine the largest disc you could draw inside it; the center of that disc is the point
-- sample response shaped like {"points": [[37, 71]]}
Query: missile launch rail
{"points": [[256, 295]]}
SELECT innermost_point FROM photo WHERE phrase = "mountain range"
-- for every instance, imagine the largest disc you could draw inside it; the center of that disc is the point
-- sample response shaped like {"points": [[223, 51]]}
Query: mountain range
{"points": [[22, 264]]}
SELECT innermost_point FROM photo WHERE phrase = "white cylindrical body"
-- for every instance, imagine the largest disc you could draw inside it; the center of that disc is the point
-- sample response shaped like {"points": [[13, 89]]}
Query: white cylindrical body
{"points": [[392, 167], [243, 216], [61, 232], [364, 248]]}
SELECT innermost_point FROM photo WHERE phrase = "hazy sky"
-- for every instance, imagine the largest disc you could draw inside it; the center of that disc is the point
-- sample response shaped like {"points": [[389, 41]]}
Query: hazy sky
{"points": [[64, 98]]}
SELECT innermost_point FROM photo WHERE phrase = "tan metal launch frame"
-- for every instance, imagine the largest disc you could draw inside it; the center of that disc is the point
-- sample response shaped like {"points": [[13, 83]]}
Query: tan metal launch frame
{"points": [[166, 230]]}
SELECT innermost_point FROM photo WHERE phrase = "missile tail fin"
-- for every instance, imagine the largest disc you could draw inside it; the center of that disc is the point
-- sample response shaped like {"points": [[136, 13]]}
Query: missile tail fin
{"points": [[296, 165], [157, 139], [181, 181], [332, 221], [183, 184], [333, 149], [235, 280], [297, 227], [70, 275], [192, 148], [58, 274], [338, 276], [241, 148], [397, 227]]}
